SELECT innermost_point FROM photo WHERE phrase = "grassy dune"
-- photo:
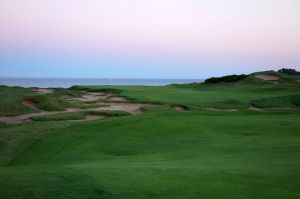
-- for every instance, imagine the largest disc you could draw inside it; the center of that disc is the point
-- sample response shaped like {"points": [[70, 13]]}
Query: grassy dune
{"points": [[162, 153], [11, 100], [236, 93]]}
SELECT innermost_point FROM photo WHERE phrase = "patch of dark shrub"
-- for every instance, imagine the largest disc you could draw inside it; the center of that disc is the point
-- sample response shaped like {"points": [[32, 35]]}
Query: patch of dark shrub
{"points": [[228, 78], [289, 71]]}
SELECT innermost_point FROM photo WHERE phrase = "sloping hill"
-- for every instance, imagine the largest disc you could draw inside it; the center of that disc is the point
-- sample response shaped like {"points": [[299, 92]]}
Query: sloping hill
{"points": [[222, 94]]}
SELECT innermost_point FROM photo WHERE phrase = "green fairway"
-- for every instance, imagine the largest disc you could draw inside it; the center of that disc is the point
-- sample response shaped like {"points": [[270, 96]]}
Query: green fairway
{"points": [[161, 153]]}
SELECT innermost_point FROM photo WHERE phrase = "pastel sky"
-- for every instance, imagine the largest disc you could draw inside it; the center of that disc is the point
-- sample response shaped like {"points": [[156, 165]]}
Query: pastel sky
{"points": [[147, 38]]}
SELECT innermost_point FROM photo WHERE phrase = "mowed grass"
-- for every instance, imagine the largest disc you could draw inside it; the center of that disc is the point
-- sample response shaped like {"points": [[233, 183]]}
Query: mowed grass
{"points": [[159, 154]]}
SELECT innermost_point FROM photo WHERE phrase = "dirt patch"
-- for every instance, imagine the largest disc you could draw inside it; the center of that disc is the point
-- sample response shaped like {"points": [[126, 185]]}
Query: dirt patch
{"points": [[116, 98], [268, 77], [43, 90], [219, 109], [127, 107], [253, 108], [30, 103], [180, 108], [93, 117]]}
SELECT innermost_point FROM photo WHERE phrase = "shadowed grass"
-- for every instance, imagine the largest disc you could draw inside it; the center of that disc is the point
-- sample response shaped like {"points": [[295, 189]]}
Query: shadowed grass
{"points": [[80, 115], [2, 124], [282, 101], [108, 113], [61, 116]]}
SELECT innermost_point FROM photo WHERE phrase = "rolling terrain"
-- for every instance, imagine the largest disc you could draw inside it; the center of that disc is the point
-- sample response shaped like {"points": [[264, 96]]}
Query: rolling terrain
{"points": [[237, 139]]}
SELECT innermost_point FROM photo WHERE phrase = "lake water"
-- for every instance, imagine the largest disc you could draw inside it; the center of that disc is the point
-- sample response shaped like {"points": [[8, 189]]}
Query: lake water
{"points": [[68, 82]]}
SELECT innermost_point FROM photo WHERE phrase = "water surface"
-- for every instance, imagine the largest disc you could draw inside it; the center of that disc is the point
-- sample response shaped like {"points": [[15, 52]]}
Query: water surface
{"points": [[68, 82]]}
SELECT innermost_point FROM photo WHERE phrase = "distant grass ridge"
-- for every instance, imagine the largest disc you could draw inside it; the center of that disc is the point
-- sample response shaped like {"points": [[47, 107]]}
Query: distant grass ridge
{"points": [[93, 89]]}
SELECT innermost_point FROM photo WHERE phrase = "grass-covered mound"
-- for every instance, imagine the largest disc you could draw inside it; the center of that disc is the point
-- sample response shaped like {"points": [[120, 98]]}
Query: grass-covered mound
{"points": [[11, 100], [48, 102], [67, 92], [282, 101], [94, 89], [220, 95]]}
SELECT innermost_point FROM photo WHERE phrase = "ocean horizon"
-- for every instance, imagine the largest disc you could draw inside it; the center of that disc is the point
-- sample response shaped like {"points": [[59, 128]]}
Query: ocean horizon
{"points": [[68, 82]]}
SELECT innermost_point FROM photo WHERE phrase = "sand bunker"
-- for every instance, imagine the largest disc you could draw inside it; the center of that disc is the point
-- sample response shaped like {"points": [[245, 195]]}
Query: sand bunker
{"points": [[253, 108], [89, 97], [180, 108], [114, 105], [267, 77], [30, 103], [127, 107], [26, 117], [43, 90], [117, 98], [219, 109], [93, 117]]}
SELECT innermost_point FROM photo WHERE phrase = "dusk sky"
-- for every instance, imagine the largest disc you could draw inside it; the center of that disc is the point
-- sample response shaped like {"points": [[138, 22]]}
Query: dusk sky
{"points": [[147, 38]]}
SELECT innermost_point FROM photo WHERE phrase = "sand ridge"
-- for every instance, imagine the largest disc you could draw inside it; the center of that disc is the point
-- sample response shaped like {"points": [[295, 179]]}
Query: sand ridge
{"points": [[91, 96], [43, 90], [267, 77], [219, 109], [180, 108]]}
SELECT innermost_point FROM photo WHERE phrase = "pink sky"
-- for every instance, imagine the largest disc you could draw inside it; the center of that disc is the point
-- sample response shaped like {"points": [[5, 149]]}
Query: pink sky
{"points": [[185, 34]]}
